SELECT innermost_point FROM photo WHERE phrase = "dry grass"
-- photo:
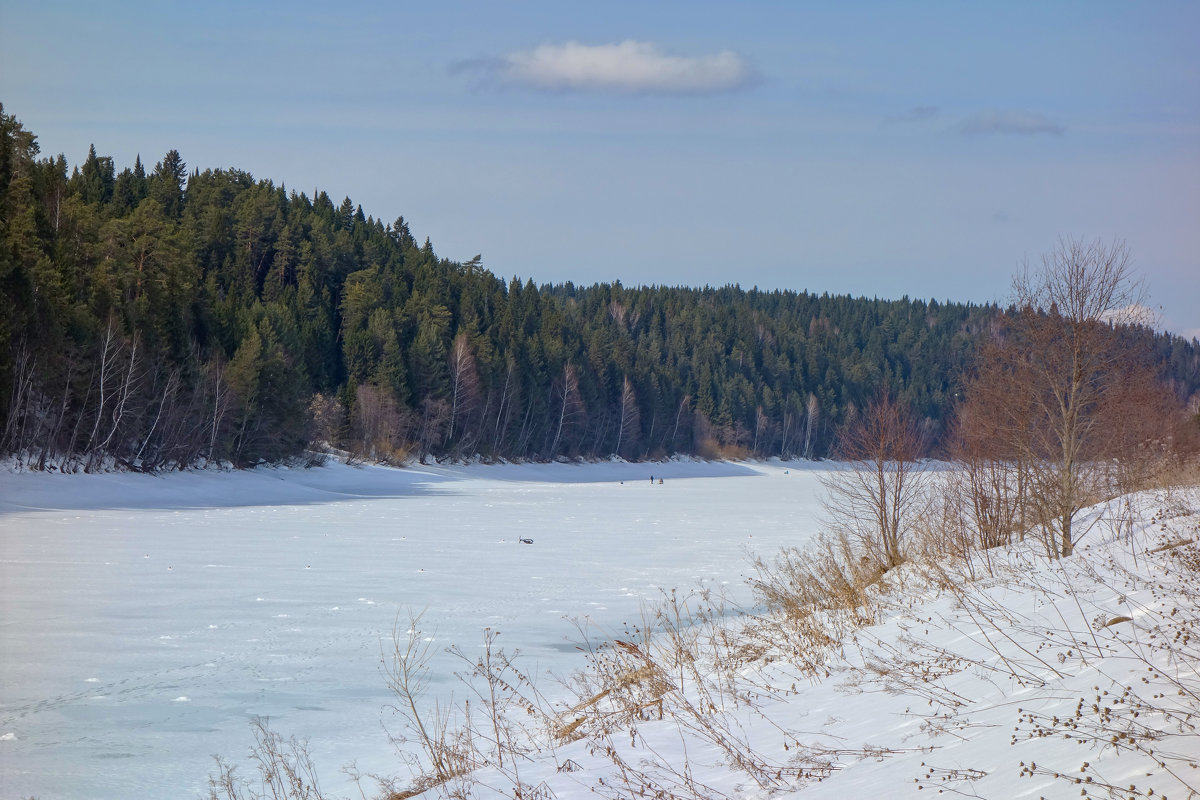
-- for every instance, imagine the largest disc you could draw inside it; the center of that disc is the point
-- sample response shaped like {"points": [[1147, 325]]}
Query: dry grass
{"points": [[284, 770], [696, 667], [692, 669], [829, 576]]}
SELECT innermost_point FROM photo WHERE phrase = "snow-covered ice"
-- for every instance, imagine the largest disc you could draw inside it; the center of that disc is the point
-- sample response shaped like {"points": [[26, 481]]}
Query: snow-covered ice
{"points": [[147, 619]]}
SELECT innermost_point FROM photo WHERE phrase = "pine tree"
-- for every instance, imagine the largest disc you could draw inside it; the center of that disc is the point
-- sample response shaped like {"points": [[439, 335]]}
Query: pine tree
{"points": [[166, 184]]}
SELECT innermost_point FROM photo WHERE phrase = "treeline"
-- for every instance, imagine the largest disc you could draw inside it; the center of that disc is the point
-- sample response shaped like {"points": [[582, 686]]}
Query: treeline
{"points": [[163, 318]]}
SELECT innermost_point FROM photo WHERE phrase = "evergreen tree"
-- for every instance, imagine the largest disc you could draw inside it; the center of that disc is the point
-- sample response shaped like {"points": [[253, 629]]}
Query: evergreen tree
{"points": [[217, 309], [166, 184]]}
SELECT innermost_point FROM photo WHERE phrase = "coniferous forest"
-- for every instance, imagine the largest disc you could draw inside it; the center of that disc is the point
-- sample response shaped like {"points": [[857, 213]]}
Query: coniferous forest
{"points": [[160, 317]]}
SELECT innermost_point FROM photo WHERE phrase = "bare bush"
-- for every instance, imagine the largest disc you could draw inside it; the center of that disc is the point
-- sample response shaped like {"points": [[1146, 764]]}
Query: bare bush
{"points": [[285, 770], [824, 587], [381, 427], [516, 721], [463, 748], [989, 484], [328, 417], [448, 754], [876, 500]]}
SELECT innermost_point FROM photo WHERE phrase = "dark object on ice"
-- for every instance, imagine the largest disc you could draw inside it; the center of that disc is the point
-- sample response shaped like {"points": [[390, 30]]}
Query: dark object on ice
{"points": [[526, 541]]}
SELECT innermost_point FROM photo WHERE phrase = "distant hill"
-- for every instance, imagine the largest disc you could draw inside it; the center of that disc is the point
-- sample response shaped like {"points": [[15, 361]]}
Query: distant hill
{"points": [[163, 318]]}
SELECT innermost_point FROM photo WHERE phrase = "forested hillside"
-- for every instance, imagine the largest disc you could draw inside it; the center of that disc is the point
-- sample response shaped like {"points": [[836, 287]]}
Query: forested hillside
{"points": [[164, 317]]}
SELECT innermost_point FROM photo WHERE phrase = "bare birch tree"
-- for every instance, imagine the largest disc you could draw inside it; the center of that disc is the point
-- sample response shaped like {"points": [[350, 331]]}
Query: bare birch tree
{"points": [[504, 411], [631, 421], [1051, 383], [570, 404], [685, 404], [813, 410], [464, 382]]}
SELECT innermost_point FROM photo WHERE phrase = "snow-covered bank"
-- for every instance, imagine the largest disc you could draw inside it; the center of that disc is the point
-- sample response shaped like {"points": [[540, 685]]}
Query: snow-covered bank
{"points": [[333, 482], [146, 619], [1019, 678]]}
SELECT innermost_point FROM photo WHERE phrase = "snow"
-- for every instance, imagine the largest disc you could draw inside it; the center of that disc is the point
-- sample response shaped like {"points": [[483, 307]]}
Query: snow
{"points": [[146, 620], [1022, 678]]}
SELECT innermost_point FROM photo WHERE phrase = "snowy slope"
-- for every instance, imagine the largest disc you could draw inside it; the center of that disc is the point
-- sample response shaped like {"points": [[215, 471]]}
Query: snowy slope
{"points": [[1025, 679]]}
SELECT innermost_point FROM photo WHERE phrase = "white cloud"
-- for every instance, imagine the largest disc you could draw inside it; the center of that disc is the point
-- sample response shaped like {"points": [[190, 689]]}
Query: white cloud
{"points": [[629, 66], [1019, 123]]}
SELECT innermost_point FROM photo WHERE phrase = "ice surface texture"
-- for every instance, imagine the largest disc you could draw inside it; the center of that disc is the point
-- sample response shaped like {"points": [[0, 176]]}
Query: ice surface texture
{"points": [[146, 619]]}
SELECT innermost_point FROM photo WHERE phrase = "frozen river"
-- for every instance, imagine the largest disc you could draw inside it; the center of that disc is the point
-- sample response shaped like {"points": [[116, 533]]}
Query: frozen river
{"points": [[144, 621]]}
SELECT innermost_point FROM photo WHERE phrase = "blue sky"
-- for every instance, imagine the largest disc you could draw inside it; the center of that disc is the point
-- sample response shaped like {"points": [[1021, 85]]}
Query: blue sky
{"points": [[876, 149]]}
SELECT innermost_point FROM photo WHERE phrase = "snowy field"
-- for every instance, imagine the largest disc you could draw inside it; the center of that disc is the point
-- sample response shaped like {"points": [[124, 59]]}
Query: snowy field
{"points": [[145, 620]]}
